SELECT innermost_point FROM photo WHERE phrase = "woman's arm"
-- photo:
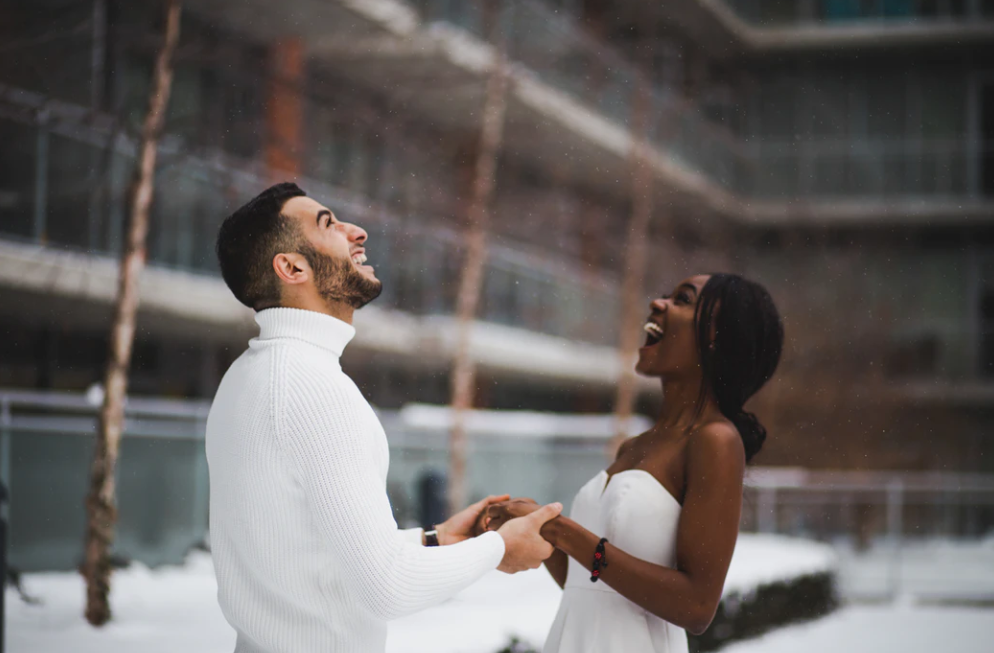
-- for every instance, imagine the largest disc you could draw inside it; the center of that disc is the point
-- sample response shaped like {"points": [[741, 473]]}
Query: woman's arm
{"points": [[558, 565], [687, 596]]}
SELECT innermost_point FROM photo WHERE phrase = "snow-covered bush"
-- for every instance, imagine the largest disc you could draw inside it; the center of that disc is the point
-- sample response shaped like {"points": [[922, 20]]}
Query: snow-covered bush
{"points": [[773, 581]]}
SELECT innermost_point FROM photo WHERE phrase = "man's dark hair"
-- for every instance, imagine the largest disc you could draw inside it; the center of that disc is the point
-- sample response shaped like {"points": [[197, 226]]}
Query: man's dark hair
{"points": [[248, 240]]}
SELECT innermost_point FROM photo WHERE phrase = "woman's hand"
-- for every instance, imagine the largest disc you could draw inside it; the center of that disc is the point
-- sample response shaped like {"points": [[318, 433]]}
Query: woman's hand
{"points": [[465, 523], [497, 514]]}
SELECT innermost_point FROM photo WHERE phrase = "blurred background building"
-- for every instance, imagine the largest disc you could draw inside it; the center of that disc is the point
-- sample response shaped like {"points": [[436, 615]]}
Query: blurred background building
{"points": [[841, 152]]}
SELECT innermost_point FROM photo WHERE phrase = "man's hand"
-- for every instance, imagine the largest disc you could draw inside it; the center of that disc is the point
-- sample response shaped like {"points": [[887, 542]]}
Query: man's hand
{"points": [[499, 513], [524, 548], [463, 525]]}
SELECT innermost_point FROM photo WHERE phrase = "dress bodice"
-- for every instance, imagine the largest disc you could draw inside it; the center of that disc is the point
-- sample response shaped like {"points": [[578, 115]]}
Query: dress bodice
{"points": [[639, 516]]}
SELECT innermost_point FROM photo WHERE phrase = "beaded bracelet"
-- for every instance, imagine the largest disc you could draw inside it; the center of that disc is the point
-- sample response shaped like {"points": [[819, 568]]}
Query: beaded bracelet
{"points": [[600, 560]]}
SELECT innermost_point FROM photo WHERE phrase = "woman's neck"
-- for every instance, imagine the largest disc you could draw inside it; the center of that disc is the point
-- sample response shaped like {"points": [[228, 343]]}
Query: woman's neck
{"points": [[680, 404]]}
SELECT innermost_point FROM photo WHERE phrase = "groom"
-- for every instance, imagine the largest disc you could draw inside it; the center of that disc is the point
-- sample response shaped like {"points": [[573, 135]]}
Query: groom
{"points": [[306, 550]]}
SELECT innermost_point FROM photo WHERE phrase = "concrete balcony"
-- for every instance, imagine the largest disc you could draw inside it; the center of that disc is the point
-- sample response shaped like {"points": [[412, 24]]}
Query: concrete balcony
{"points": [[871, 182], [542, 316], [569, 95], [727, 28], [569, 108]]}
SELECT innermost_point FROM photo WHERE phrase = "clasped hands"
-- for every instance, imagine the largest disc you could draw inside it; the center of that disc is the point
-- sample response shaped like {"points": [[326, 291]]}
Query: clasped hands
{"points": [[519, 522]]}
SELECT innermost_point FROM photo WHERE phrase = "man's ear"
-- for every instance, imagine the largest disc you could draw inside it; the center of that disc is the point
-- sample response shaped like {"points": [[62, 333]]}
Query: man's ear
{"points": [[292, 268]]}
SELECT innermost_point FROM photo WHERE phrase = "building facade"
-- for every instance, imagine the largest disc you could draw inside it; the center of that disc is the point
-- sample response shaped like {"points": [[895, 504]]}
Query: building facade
{"points": [[841, 152]]}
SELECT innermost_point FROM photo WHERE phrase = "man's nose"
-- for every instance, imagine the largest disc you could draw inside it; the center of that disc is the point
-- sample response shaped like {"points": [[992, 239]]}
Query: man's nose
{"points": [[357, 234]]}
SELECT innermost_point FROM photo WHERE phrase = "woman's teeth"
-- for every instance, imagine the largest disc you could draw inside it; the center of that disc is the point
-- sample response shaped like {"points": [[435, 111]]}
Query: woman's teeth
{"points": [[359, 259], [653, 329]]}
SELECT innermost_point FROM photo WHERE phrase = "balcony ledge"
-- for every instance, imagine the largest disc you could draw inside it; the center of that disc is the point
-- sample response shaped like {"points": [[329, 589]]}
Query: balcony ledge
{"points": [[176, 302]]}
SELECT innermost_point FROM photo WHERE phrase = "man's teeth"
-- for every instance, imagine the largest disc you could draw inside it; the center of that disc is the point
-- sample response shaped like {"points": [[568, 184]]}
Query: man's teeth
{"points": [[359, 259], [653, 329]]}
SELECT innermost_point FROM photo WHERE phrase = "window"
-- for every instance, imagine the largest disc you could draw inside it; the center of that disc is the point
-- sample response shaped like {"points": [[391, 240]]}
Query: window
{"points": [[987, 333], [886, 106], [17, 178], [943, 105]]}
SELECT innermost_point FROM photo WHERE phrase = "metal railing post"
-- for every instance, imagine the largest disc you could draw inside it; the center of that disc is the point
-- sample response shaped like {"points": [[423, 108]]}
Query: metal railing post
{"points": [[40, 226], [3, 565], [5, 421], [200, 520], [895, 531], [766, 509], [5, 435]]}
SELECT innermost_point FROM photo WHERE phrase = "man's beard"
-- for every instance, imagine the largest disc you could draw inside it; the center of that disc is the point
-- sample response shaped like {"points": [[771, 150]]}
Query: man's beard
{"points": [[338, 280]]}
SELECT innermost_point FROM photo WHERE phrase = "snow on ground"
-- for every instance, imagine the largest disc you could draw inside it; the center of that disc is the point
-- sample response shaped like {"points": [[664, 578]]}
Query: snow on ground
{"points": [[929, 569], [525, 605], [898, 628], [482, 618], [764, 559], [155, 611], [175, 609]]}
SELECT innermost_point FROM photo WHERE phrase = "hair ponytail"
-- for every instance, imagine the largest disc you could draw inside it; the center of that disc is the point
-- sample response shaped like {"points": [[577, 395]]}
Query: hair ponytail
{"points": [[753, 433], [739, 341]]}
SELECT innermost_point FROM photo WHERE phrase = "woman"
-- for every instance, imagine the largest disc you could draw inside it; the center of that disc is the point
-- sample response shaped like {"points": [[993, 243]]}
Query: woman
{"points": [[669, 504]]}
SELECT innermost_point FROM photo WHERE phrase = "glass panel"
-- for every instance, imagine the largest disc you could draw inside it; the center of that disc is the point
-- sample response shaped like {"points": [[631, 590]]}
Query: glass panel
{"points": [[897, 8], [841, 10], [886, 106], [47, 47], [213, 205], [827, 101], [943, 105], [828, 172], [778, 11], [777, 176], [70, 191], [243, 117], [50, 475], [778, 109], [17, 178], [186, 103], [894, 173]]}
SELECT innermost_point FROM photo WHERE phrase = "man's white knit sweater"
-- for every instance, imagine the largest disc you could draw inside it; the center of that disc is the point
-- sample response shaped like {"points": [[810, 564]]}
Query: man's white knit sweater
{"points": [[307, 553]]}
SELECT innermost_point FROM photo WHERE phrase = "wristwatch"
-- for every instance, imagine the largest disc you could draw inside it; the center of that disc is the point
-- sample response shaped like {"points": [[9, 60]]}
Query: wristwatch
{"points": [[431, 538]]}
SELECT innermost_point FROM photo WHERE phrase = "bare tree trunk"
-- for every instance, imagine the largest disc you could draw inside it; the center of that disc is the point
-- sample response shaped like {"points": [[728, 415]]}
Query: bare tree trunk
{"points": [[471, 281], [632, 285], [101, 505]]}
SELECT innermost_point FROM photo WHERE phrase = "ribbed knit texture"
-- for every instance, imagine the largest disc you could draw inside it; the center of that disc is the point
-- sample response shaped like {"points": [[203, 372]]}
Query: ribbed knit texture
{"points": [[307, 553]]}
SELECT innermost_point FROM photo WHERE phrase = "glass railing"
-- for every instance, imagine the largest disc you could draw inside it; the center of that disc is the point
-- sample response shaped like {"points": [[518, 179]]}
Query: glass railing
{"points": [[876, 169], [829, 13], [552, 46], [904, 316], [64, 186], [50, 436], [683, 133]]}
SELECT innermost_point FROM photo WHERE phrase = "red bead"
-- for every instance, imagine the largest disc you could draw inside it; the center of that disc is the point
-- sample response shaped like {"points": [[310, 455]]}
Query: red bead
{"points": [[596, 572], [597, 555]]}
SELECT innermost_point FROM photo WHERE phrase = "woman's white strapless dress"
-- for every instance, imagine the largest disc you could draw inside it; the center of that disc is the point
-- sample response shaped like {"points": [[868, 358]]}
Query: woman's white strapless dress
{"points": [[639, 516]]}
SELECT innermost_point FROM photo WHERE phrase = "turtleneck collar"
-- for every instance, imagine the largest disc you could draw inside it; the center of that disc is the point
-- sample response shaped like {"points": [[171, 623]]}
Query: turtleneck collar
{"points": [[316, 328]]}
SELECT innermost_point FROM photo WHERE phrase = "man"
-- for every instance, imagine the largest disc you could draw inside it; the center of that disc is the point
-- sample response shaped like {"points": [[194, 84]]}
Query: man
{"points": [[307, 554]]}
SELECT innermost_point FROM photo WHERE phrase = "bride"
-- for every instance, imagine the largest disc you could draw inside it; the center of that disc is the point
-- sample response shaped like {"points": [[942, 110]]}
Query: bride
{"points": [[643, 555]]}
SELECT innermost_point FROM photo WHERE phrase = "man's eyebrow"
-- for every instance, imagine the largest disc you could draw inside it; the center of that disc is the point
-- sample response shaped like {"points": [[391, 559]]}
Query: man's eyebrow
{"points": [[321, 213]]}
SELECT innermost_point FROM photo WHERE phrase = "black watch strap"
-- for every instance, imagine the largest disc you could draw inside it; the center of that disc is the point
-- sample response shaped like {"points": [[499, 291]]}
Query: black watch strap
{"points": [[431, 538]]}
